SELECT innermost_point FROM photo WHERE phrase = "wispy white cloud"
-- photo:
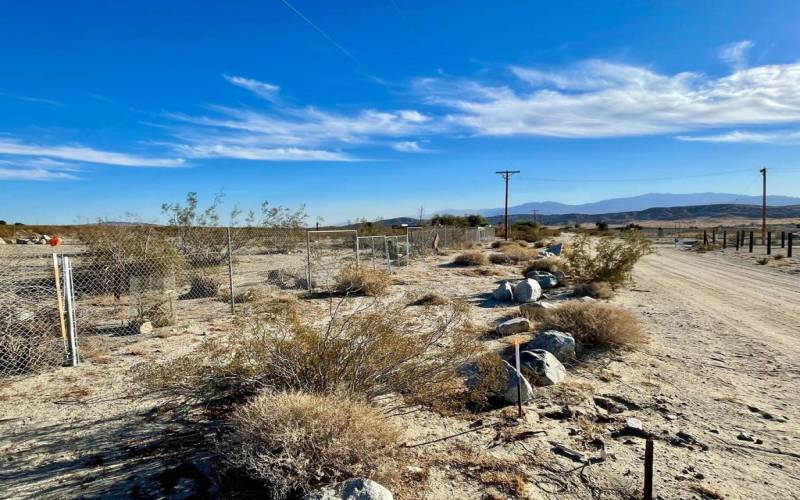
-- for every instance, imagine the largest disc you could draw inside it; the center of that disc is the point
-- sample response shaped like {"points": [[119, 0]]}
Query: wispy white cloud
{"points": [[264, 90], [34, 174], [409, 147], [735, 53], [84, 154], [258, 153], [598, 99], [283, 132], [745, 136], [38, 100]]}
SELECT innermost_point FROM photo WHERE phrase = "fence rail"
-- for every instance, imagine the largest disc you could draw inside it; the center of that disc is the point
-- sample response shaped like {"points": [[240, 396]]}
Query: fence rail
{"points": [[126, 280]]}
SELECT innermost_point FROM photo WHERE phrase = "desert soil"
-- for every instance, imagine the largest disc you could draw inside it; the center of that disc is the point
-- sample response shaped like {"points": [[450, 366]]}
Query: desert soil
{"points": [[723, 361]]}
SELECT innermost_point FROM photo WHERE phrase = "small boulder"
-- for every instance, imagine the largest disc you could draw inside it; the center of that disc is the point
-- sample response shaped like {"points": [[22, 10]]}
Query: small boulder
{"points": [[527, 290], [533, 310], [587, 299], [542, 367], [510, 394], [555, 249], [504, 292], [512, 326], [352, 489], [546, 280], [559, 344], [634, 425], [2, 241]]}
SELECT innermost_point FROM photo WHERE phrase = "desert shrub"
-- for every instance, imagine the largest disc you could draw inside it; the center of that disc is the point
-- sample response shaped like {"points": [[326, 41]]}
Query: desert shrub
{"points": [[550, 264], [517, 254], [778, 256], [201, 286], [490, 379], [30, 339], [499, 258], [155, 309], [125, 257], [248, 296], [503, 243], [602, 325], [362, 281], [296, 441], [611, 259], [595, 289], [362, 352], [761, 261], [471, 258], [430, 299], [521, 243]]}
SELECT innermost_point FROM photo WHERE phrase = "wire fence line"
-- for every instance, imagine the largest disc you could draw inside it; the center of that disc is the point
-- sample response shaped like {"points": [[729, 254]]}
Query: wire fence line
{"points": [[129, 279]]}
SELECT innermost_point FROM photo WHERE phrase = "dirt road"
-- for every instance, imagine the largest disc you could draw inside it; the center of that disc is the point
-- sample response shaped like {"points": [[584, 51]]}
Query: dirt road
{"points": [[725, 360]]}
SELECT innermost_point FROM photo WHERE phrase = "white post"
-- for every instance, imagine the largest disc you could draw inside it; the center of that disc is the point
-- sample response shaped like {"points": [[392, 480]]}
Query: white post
{"points": [[69, 295], [358, 256], [386, 250], [308, 260], [230, 270]]}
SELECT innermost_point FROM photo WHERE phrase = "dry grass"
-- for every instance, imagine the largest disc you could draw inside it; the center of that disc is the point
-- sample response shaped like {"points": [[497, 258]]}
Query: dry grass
{"points": [[601, 325], [471, 258], [596, 289], [517, 254], [430, 299], [296, 441], [361, 352], [503, 243], [362, 281], [201, 286], [550, 264], [249, 296], [762, 261], [499, 258], [706, 491]]}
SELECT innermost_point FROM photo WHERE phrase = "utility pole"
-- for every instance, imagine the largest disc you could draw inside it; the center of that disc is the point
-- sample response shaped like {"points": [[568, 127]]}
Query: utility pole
{"points": [[506, 174], [764, 207]]}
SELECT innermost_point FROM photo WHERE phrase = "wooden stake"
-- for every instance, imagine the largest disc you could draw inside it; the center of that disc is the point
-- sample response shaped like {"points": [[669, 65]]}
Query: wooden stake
{"points": [[60, 303]]}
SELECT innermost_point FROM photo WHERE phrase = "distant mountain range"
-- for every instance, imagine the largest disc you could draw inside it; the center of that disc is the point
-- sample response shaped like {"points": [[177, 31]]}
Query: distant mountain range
{"points": [[666, 214], [631, 204]]}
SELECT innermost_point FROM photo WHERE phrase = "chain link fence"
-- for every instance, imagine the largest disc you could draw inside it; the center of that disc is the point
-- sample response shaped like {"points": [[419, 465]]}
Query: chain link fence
{"points": [[128, 280]]}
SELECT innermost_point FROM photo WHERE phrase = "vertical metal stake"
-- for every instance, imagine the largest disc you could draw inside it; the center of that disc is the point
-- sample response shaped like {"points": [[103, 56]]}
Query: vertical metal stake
{"points": [[769, 242], [69, 295], [724, 240], [783, 239], [750, 243], [648, 470], [308, 260], [789, 248], [230, 271], [358, 256], [386, 250]]}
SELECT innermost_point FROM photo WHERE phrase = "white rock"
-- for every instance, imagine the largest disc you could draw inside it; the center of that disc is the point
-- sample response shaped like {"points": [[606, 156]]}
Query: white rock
{"points": [[534, 310], [546, 280], [512, 326], [510, 395], [587, 299], [504, 292], [542, 367], [527, 290], [559, 344], [352, 489]]}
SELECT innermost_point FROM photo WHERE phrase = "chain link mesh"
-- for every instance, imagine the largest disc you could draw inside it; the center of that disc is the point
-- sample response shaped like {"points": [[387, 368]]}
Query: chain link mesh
{"points": [[128, 279]]}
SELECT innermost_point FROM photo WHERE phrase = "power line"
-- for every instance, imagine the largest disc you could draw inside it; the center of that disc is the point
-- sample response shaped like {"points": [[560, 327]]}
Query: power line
{"points": [[640, 179], [336, 44]]}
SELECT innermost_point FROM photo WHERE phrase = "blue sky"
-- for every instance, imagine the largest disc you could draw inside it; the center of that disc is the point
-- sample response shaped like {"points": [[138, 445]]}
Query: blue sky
{"points": [[375, 108]]}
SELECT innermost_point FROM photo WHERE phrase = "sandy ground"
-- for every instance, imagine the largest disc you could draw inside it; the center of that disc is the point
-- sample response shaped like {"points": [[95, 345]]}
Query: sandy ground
{"points": [[723, 359]]}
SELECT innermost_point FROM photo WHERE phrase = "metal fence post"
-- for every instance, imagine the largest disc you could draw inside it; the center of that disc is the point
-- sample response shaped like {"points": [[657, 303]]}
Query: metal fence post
{"points": [[386, 250], [230, 271], [308, 260], [789, 247], [724, 240], [69, 295], [783, 239], [769, 242], [714, 236], [648, 470], [737, 241], [358, 256], [60, 304], [705, 237]]}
